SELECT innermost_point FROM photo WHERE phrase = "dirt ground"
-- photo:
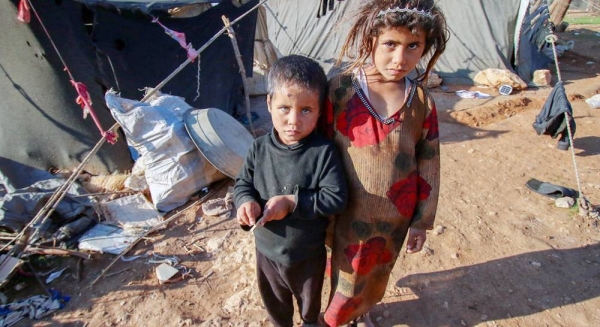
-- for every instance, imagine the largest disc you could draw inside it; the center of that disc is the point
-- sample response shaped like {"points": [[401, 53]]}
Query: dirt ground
{"points": [[500, 254]]}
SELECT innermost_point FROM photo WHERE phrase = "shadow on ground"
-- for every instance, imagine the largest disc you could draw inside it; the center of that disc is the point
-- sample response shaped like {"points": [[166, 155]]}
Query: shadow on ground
{"points": [[515, 286]]}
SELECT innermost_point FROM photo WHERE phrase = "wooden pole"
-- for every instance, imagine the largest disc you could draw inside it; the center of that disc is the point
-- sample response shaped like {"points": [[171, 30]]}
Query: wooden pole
{"points": [[238, 57]]}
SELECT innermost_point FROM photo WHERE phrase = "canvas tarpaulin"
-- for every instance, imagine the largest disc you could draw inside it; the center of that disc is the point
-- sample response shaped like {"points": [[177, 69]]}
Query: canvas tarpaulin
{"points": [[142, 55], [482, 36], [482, 33], [41, 126]]}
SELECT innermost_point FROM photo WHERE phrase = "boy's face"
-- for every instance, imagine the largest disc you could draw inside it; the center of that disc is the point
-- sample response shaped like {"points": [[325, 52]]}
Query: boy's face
{"points": [[294, 111]]}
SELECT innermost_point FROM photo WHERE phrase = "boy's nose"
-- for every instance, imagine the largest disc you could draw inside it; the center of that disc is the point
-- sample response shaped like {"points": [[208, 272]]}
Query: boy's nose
{"points": [[293, 119]]}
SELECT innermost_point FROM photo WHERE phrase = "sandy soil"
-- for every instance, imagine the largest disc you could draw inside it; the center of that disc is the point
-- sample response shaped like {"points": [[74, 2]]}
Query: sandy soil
{"points": [[500, 254]]}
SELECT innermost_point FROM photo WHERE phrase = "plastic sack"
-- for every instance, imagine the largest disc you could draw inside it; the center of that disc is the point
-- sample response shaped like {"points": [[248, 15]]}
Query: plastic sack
{"points": [[594, 101], [174, 168]]}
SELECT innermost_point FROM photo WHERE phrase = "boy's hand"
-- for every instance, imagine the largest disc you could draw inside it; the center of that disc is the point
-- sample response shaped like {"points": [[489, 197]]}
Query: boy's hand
{"points": [[416, 239], [277, 208], [248, 212]]}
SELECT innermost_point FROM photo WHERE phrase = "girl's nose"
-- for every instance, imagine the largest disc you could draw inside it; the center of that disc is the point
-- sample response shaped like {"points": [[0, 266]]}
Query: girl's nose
{"points": [[398, 57]]}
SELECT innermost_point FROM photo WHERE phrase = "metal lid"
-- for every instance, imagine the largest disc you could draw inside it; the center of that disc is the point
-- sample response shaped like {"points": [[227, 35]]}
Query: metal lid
{"points": [[221, 139]]}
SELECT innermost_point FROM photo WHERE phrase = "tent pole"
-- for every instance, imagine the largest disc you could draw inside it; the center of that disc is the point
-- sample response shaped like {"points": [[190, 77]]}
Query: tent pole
{"points": [[238, 57]]}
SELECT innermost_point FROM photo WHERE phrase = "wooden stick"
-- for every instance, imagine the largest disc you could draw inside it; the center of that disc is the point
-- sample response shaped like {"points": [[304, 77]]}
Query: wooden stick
{"points": [[238, 57], [218, 187], [54, 251]]}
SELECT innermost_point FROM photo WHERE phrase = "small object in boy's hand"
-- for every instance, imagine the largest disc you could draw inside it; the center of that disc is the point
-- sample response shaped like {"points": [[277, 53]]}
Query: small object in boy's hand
{"points": [[256, 223]]}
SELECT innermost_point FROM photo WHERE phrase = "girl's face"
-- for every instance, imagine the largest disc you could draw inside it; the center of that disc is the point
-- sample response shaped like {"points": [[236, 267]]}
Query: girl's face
{"points": [[396, 52], [294, 111]]}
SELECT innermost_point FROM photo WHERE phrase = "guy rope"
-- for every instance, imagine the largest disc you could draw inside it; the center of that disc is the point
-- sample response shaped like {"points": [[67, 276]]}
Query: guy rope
{"points": [[586, 209]]}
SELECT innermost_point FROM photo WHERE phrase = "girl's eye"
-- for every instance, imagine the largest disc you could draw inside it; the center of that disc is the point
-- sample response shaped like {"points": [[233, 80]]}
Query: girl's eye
{"points": [[389, 45], [413, 46]]}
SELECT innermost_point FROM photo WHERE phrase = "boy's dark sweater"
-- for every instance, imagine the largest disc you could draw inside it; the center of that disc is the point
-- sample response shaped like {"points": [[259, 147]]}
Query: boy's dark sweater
{"points": [[313, 172]]}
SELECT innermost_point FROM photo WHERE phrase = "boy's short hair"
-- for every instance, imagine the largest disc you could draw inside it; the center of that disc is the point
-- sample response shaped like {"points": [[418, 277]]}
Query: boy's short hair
{"points": [[299, 70]]}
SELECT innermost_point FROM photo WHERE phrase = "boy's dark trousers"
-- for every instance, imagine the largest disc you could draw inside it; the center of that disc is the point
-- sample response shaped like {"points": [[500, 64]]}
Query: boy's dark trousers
{"points": [[279, 284]]}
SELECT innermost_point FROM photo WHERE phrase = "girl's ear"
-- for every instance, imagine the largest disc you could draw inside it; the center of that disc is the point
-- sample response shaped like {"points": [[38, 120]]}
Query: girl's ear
{"points": [[269, 102]]}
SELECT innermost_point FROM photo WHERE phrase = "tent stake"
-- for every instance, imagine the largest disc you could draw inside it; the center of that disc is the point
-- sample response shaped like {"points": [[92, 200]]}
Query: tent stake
{"points": [[238, 57]]}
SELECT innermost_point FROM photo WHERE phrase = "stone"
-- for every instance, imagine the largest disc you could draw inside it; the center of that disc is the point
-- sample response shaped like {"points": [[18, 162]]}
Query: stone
{"points": [[564, 202], [542, 77]]}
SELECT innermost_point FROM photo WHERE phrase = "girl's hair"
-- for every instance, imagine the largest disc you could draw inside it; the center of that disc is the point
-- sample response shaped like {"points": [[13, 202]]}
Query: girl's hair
{"points": [[374, 15], [299, 70]]}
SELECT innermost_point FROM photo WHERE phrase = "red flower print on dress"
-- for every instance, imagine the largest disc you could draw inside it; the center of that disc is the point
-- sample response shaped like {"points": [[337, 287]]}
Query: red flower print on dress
{"points": [[325, 123], [340, 309], [363, 257], [431, 124], [407, 192], [357, 123]]}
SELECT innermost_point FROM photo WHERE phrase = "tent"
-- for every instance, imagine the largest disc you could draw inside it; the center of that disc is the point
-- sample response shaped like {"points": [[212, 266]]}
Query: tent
{"points": [[114, 44], [483, 34], [104, 44]]}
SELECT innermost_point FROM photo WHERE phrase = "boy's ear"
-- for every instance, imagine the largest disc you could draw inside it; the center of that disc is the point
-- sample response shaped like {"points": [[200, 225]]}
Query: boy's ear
{"points": [[269, 102]]}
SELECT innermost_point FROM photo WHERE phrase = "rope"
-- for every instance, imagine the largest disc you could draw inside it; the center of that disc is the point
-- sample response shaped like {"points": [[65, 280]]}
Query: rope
{"points": [[585, 207]]}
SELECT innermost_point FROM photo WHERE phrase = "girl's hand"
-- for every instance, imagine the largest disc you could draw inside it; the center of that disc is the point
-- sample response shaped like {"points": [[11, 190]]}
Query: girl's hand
{"points": [[277, 208], [247, 213], [416, 239]]}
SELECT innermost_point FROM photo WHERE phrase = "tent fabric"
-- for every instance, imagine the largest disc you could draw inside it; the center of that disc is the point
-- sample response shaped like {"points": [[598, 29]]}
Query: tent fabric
{"points": [[481, 37], [295, 29], [141, 54], [532, 40], [483, 34], [42, 126], [143, 6], [18, 207]]}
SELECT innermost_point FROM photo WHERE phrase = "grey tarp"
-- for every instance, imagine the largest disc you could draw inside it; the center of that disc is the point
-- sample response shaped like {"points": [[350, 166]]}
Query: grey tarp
{"points": [[19, 206], [482, 33], [43, 127]]}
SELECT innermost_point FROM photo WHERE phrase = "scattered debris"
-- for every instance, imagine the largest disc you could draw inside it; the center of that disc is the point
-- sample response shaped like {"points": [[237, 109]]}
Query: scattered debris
{"points": [[164, 272], [472, 94], [594, 101], [55, 275], [220, 207], [565, 202]]}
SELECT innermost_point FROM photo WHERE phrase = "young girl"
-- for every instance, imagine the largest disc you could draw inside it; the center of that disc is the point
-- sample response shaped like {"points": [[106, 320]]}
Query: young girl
{"points": [[386, 128]]}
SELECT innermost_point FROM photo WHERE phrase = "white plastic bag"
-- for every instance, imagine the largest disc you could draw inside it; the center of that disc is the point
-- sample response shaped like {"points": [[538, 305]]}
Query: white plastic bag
{"points": [[594, 101], [174, 168]]}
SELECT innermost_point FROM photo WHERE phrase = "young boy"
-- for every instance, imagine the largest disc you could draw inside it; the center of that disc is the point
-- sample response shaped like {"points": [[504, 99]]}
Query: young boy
{"points": [[291, 181]]}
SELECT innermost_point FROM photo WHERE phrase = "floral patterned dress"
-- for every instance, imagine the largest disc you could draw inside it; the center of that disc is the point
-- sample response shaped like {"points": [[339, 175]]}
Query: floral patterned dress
{"points": [[393, 168]]}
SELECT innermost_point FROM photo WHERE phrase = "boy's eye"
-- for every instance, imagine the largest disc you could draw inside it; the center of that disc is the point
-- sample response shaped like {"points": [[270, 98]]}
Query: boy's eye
{"points": [[413, 46], [284, 109], [306, 110], [390, 44]]}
